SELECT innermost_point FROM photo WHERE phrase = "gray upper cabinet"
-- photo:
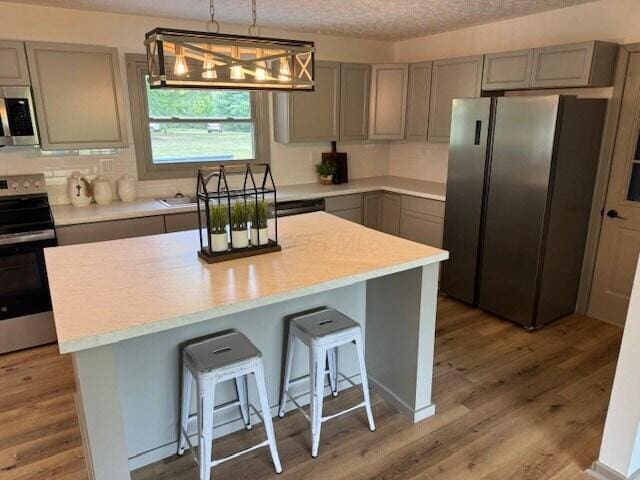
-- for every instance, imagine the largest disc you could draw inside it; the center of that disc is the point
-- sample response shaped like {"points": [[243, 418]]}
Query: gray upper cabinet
{"points": [[13, 64], [588, 64], [310, 116], [354, 101], [418, 95], [508, 70], [453, 78], [78, 96], [387, 110]]}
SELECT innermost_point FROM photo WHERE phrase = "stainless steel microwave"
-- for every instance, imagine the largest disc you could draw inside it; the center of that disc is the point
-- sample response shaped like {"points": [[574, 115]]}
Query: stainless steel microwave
{"points": [[17, 118]]}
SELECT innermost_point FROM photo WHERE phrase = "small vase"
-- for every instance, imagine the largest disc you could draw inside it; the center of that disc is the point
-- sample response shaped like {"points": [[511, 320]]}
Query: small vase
{"points": [[326, 179], [262, 233], [239, 238], [219, 242]]}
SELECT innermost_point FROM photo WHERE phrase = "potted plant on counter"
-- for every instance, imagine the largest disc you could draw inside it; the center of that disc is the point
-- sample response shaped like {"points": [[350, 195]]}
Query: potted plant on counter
{"points": [[239, 218], [219, 219], [326, 171], [259, 213]]}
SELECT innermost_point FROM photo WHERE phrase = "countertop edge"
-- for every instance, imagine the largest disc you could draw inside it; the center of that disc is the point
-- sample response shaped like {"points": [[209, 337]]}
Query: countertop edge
{"points": [[105, 339]]}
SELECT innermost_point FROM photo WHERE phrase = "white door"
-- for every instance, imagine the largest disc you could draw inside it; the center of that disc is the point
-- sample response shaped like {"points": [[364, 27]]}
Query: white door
{"points": [[620, 236]]}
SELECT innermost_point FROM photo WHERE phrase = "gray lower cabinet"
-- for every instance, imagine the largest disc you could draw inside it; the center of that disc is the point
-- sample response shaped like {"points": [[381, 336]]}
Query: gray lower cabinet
{"points": [[78, 96], [372, 210], [354, 101], [422, 220], [418, 96], [310, 116], [348, 207], [179, 222], [391, 207], [113, 230], [453, 78], [508, 70], [587, 64], [388, 102], [13, 64]]}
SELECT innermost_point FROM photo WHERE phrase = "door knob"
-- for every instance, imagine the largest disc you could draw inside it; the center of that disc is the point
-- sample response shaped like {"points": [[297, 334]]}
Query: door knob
{"points": [[614, 214]]}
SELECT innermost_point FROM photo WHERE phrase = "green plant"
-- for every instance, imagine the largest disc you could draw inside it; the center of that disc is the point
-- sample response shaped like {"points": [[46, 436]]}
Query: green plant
{"points": [[218, 218], [326, 168], [239, 216], [259, 214]]}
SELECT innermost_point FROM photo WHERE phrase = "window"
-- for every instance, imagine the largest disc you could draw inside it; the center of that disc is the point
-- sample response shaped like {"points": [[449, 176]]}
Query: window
{"points": [[178, 130]]}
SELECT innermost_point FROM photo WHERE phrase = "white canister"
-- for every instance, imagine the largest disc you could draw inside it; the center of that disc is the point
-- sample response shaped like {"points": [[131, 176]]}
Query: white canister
{"points": [[263, 233], [239, 238], [127, 188], [219, 242], [79, 190], [102, 192]]}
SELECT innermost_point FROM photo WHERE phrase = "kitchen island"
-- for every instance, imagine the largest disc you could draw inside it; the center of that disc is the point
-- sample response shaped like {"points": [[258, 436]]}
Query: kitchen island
{"points": [[124, 307]]}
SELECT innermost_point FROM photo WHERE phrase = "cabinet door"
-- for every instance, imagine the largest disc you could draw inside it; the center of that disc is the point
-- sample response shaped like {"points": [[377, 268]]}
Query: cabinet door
{"points": [[310, 116], [388, 101], [348, 207], [418, 95], [421, 228], [179, 222], [455, 78], [354, 101], [13, 64], [508, 70], [372, 210], [588, 64], [78, 96], [391, 213], [101, 231]]}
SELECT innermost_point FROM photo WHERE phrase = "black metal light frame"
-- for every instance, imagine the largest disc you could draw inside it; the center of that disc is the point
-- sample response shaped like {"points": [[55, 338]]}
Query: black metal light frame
{"points": [[222, 193]]}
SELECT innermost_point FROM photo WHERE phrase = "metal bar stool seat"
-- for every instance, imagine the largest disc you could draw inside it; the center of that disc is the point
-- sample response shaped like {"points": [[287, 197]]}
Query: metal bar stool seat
{"points": [[323, 332], [230, 356]]}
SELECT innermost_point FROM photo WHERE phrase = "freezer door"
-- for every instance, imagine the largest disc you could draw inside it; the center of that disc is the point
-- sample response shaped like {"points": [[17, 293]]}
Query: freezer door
{"points": [[522, 153], [470, 130]]}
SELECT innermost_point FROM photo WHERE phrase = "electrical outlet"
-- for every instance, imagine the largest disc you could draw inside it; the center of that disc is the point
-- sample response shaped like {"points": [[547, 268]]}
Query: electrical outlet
{"points": [[107, 166]]}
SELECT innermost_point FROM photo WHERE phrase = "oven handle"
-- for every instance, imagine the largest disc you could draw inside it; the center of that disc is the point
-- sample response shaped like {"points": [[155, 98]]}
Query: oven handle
{"points": [[4, 118], [27, 237]]}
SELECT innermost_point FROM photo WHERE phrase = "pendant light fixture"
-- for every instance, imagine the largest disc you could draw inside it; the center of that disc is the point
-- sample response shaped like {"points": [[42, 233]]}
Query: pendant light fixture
{"points": [[188, 59]]}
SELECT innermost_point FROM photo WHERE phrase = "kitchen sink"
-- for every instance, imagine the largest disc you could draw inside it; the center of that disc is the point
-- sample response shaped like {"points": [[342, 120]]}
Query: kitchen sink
{"points": [[178, 200]]}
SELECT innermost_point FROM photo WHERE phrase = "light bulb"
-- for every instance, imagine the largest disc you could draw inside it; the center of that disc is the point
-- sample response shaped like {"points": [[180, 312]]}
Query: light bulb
{"points": [[237, 72], [261, 71], [180, 68], [284, 74], [209, 67]]}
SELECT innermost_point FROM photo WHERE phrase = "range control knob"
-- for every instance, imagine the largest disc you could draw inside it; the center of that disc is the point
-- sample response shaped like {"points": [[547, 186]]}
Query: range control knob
{"points": [[37, 184], [26, 184], [14, 185]]}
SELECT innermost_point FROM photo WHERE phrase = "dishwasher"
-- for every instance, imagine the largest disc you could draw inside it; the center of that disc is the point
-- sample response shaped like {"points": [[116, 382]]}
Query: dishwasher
{"points": [[297, 207]]}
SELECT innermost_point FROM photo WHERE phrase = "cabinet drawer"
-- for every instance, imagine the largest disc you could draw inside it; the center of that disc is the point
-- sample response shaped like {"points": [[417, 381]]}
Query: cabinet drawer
{"points": [[343, 202], [117, 229], [352, 214], [424, 206], [179, 222]]}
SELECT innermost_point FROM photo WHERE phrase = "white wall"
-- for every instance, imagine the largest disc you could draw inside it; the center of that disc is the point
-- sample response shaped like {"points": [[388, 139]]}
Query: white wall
{"points": [[291, 164], [609, 20]]}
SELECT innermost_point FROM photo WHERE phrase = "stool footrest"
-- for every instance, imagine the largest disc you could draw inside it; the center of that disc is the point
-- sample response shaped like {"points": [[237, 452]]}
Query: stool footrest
{"points": [[218, 461], [343, 412]]}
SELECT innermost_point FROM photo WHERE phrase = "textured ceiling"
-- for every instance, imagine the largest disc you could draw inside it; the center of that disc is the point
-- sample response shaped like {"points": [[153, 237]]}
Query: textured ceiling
{"points": [[381, 19]]}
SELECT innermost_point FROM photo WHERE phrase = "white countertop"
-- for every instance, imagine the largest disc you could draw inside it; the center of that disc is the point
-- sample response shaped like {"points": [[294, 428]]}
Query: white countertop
{"points": [[146, 207], [106, 292]]}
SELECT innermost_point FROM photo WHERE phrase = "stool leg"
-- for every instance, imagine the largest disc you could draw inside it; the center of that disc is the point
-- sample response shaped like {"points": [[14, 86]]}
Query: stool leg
{"points": [[206, 399], [365, 383], [185, 404], [316, 375], [291, 343], [333, 370], [243, 396], [266, 416]]}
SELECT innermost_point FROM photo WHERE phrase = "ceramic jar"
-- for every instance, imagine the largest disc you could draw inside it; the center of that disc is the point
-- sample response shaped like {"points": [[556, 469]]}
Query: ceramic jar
{"points": [[102, 192], [79, 190], [127, 188]]}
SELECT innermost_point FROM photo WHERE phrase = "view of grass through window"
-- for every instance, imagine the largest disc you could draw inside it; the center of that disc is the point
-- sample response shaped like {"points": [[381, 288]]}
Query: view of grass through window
{"points": [[177, 138]]}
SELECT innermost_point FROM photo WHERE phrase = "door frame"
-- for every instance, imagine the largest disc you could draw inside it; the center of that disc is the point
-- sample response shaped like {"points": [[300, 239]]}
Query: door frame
{"points": [[603, 175]]}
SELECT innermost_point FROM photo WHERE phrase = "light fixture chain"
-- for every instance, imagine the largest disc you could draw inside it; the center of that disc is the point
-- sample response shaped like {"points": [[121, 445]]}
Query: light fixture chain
{"points": [[213, 25], [253, 28]]}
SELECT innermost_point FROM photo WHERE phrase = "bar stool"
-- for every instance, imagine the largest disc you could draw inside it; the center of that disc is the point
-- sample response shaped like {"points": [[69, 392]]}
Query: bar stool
{"points": [[323, 332], [212, 361]]}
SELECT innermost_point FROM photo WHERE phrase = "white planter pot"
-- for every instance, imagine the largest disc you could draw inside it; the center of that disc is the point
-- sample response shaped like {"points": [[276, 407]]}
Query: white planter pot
{"points": [[264, 236], [239, 238], [219, 242]]}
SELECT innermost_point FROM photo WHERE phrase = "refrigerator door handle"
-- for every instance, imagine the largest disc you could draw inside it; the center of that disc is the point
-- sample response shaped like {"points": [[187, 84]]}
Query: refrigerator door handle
{"points": [[476, 140]]}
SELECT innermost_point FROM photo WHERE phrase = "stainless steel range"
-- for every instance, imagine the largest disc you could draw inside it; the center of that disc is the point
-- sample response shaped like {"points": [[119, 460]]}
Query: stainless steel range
{"points": [[26, 228]]}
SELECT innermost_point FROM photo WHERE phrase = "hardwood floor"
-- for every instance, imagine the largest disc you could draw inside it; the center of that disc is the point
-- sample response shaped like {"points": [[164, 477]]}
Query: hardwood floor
{"points": [[510, 405]]}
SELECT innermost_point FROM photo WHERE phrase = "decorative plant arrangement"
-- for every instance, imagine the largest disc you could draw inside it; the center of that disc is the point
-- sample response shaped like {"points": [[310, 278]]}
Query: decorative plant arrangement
{"points": [[326, 170], [236, 212]]}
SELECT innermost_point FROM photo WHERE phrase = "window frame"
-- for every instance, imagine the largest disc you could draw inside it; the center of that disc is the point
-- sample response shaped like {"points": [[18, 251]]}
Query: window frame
{"points": [[137, 68]]}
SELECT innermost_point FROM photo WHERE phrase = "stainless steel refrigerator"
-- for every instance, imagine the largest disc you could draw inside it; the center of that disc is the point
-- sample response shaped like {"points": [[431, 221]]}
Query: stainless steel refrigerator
{"points": [[519, 191]]}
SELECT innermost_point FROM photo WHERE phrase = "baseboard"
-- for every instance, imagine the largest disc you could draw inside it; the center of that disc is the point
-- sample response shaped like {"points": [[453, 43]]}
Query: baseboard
{"points": [[404, 408], [599, 471]]}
